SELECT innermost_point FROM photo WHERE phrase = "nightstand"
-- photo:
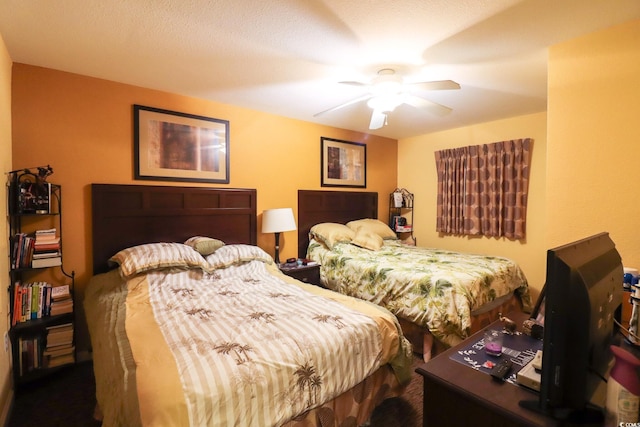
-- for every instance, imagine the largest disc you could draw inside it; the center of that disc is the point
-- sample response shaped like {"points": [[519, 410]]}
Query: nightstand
{"points": [[305, 273]]}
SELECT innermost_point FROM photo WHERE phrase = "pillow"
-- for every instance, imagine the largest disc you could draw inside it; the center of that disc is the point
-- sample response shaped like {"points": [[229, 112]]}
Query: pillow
{"points": [[204, 245], [141, 258], [375, 226], [236, 254], [367, 239], [331, 233]]}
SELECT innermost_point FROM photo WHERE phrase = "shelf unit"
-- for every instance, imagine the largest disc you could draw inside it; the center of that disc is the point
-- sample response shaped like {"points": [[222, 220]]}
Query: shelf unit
{"points": [[35, 204], [401, 214]]}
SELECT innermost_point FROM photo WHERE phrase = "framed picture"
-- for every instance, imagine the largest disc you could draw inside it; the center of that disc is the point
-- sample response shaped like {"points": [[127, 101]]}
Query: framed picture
{"points": [[344, 163], [173, 146]]}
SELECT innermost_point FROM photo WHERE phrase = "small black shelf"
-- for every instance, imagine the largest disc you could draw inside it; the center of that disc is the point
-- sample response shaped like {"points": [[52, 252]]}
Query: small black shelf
{"points": [[36, 326], [35, 204], [401, 213]]}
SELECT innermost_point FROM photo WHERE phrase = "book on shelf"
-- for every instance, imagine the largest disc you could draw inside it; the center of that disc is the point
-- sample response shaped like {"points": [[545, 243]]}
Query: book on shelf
{"points": [[31, 301], [23, 246], [61, 307], [46, 254], [60, 336], [60, 292], [59, 349], [46, 234], [30, 354], [61, 301], [52, 261], [53, 361], [46, 246], [26, 248]]}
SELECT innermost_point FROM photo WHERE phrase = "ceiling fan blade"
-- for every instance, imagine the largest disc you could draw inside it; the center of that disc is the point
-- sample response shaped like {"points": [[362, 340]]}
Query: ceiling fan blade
{"points": [[354, 83], [426, 105], [337, 107], [437, 85], [378, 118]]}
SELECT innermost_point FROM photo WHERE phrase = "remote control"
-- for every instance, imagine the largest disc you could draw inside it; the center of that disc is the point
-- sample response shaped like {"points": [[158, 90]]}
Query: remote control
{"points": [[501, 370]]}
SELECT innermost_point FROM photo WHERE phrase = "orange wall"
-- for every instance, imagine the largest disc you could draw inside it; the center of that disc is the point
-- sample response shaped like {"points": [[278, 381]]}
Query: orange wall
{"points": [[83, 128], [594, 139]]}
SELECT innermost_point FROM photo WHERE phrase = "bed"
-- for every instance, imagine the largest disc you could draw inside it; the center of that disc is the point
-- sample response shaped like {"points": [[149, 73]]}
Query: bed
{"points": [[195, 330], [440, 297]]}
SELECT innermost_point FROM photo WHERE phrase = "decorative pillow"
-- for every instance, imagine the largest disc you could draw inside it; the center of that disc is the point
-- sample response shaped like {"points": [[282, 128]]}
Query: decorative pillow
{"points": [[204, 245], [367, 239], [236, 254], [141, 258], [331, 233], [375, 226]]}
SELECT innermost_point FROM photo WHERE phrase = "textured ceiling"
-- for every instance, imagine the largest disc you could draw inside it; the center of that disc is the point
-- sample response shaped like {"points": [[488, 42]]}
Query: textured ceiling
{"points": [[287, 56]]}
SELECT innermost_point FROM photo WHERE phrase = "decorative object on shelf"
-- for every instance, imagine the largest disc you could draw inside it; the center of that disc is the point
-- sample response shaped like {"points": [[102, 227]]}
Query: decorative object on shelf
{"points": [[344, 163], [29, 191], [173, 146], [277, 221]]}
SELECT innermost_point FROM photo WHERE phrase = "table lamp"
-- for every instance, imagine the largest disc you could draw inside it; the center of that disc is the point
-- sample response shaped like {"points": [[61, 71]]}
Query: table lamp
{"points": [[277, 221]]}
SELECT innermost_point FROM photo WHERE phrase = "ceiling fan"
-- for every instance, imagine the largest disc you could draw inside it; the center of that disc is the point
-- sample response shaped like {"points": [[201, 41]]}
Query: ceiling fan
{"points": [[388, 90]]}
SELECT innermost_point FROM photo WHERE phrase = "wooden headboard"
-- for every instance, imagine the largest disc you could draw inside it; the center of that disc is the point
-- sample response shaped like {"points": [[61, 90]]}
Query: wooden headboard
{"points": [[316, 206], [129, 215]]}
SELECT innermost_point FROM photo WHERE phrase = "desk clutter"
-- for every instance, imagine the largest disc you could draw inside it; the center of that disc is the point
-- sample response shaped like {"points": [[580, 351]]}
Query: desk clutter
{"points": [[518, 348]]}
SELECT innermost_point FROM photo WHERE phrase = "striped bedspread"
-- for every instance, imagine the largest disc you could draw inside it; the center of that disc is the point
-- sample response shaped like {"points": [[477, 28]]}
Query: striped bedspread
{"points": [[242, 345]]}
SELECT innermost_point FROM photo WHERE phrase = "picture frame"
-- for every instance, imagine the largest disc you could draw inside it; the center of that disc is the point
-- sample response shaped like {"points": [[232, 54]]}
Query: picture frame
{"points": [[343, 163], [174, 146]]}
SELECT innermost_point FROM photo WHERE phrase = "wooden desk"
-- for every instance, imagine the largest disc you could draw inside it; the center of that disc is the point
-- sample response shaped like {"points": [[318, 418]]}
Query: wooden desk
{"points": [[457, 395]]}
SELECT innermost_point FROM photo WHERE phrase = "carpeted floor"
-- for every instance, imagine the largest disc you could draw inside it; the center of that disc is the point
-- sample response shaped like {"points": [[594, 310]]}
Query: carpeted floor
{"points": [[67, 399], [403, 411]]}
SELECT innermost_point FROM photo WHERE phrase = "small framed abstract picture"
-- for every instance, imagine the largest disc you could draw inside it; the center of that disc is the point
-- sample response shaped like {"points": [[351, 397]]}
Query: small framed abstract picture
{"points": [[173, 146], [344, 163]]}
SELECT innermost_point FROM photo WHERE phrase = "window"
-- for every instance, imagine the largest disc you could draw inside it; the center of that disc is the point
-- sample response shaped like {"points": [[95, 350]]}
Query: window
{"points": [[482, 189]]}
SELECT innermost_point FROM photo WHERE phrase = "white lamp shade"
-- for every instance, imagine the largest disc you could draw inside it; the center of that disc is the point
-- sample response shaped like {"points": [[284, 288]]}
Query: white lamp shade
{"points": [[278, 220]]}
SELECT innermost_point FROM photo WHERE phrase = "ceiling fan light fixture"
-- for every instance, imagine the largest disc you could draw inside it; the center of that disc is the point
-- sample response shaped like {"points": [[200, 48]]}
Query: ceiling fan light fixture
{"points": [[386, 103], [387, 83]]}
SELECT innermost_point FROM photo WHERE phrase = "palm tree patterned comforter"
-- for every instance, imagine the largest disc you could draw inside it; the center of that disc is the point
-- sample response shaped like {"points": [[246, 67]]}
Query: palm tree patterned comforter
{"points": [[237, 345], [433, 288]]}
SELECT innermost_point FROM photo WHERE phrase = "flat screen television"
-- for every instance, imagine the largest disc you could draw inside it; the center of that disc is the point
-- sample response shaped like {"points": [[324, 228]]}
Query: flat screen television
{"points": [[581, 298]]}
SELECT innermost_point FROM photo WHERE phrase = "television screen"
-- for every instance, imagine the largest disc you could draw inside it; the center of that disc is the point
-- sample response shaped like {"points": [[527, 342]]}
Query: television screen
{"points": [[581, 297]]}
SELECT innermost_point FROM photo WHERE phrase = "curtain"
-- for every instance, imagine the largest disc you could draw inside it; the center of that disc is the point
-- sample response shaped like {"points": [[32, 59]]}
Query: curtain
{"points": [[482, 189]]}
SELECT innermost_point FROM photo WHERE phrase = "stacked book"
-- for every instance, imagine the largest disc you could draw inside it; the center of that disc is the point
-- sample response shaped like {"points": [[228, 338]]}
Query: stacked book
{"points": [[60, 349], [46, 249], [61, 301]]}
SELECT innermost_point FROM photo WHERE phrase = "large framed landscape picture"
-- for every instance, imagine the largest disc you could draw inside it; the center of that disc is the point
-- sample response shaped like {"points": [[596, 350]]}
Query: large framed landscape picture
{"points": [[174, 146], [344, 163]]}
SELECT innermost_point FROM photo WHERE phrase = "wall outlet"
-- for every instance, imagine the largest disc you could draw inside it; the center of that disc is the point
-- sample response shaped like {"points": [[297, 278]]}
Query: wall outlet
{"points": [[6, 342]]}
